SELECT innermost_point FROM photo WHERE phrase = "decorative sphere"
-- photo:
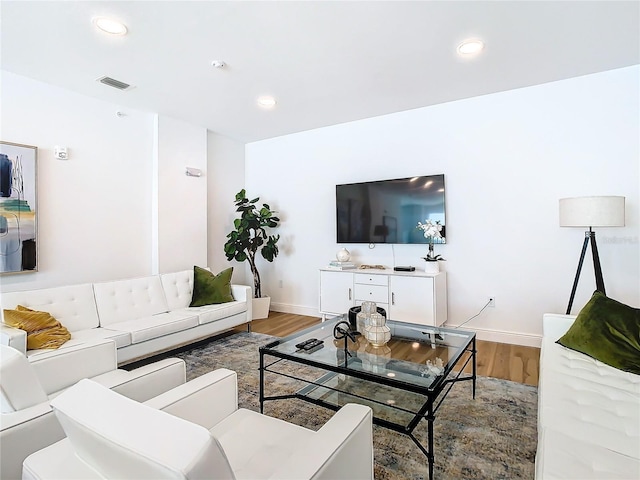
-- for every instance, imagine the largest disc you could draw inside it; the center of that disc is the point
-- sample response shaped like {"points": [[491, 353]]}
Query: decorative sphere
{"points": [[343, 255]]}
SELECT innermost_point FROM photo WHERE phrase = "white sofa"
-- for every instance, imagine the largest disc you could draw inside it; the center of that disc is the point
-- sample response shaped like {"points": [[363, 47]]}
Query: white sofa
{"points": [[197, 431], [143, 316], [27, 422], [588, 413]]}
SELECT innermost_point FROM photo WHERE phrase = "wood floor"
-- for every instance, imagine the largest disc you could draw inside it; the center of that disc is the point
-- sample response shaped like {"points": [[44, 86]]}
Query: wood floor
{"points": [[498, 360]]}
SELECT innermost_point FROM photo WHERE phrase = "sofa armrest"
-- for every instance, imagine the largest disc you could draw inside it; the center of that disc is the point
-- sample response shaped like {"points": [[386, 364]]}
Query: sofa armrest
{"points": [[241, 293], [330, 452], [205, 400], [555, 325], [13, 337], [23, 433], [146, 382], [59, 369]]}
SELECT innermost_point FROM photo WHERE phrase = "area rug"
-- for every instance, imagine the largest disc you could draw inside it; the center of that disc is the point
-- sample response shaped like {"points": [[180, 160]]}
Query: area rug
{"points": [[491, 437]]}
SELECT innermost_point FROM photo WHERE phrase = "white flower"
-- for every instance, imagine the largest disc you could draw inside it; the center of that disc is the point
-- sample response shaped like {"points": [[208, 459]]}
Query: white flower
{"points": [[430, 229]]}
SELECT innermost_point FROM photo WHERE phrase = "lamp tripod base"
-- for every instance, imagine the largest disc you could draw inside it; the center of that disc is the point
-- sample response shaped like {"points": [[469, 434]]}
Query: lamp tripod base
{"points": [[589, 237]]}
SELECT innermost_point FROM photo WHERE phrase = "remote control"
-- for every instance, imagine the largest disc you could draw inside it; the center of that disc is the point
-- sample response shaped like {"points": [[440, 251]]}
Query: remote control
{"points": [[314, 347], [313, 344], [306, 342]]}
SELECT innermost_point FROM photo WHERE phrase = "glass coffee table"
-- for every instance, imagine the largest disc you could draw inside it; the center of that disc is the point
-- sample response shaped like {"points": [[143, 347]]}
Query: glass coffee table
{"points": [[404, 381]]}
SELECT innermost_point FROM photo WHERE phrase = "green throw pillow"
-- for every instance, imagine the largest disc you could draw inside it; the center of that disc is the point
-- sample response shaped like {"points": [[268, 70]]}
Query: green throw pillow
{"points": [[608, 331], [209, 288]]}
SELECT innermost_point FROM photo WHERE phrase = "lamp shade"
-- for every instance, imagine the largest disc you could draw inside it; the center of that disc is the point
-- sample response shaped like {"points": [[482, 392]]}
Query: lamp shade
{"points": [[606, 211]]}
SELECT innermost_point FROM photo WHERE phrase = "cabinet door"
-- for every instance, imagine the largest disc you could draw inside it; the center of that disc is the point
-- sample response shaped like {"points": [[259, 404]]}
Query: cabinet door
{"points": [[336, 292], [412, 300]]}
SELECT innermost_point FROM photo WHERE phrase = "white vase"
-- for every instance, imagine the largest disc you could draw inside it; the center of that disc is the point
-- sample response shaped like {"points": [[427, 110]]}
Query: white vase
{"points": [[432, 267], [343, 255], [377, 332], [260, 307]]}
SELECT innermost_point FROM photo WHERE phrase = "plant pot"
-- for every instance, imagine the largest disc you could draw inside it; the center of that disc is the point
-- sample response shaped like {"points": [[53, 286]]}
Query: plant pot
{"points": [[260, 307], [432, 267]]}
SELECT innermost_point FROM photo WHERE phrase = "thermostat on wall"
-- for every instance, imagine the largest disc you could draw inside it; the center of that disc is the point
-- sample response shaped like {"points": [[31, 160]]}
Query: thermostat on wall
{"points": [[60, 153]]}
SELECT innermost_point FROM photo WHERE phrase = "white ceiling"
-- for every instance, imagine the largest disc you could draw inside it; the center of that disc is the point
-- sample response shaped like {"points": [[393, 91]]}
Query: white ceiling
{"points": [[325, 62]]}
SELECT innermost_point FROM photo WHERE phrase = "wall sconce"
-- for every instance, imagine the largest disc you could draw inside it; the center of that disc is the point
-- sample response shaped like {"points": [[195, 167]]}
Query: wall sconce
{"points": [[193, 172]]}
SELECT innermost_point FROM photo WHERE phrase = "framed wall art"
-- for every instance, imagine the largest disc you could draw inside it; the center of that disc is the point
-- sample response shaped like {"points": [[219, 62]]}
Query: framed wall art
{"points": [[18, 208]]}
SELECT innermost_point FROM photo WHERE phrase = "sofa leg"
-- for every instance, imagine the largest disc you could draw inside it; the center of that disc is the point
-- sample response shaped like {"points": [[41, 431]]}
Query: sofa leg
{"points": [[249, 327]]}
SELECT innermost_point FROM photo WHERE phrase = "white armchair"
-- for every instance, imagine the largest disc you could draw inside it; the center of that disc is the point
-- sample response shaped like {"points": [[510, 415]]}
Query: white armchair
{"points": [[197, 431], [27, 421]]}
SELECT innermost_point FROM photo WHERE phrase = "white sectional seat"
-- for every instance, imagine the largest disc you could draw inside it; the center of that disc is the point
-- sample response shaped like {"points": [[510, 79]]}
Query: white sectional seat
{"points": [[143, 316], [588, 413]]}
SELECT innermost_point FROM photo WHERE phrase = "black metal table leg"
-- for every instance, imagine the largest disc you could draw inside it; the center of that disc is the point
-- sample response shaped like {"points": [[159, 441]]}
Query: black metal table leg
{"points": [[474, 367], [261, 382], [430, 456]]}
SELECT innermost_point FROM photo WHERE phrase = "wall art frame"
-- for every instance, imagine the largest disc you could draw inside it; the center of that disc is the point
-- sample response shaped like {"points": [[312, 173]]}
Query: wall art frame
{"points": [[18, 208]]}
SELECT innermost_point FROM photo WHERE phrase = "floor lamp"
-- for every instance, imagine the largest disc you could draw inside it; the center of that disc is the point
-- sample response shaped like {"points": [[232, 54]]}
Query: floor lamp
{"points": [[591, 212]]}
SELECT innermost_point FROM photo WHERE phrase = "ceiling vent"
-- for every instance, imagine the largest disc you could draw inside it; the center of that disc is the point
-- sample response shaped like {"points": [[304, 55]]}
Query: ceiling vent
{"points": [[112, 82]]}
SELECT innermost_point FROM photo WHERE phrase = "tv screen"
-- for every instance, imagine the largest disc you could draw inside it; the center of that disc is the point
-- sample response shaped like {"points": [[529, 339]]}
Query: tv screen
{"points": [[388, 211]]}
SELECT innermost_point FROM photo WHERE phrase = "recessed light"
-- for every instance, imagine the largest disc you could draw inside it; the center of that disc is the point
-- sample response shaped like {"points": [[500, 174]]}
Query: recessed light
{"points": [[267, 101], [110, 26], [470, 47]]}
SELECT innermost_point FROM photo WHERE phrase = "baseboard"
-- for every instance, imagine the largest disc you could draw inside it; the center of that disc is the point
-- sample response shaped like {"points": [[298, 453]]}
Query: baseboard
{"points": [[500, 336], [296, 309]]}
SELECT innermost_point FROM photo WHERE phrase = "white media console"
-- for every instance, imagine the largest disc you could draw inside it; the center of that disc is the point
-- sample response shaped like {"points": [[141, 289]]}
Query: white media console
{"points": [[414, 297]]}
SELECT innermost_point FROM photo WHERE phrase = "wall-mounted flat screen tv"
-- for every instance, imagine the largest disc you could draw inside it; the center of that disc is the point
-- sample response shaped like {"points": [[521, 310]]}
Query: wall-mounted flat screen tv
{"points": [[388, 211]]}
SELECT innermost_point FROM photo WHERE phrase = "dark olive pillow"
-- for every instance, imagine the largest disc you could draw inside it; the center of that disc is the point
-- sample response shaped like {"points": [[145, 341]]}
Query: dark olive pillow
{"points": [[608, 331], [209, 288]]}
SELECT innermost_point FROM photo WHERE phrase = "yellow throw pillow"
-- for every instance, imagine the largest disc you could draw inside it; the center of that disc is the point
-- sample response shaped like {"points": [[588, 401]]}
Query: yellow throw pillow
{"points": [[43, 331]]}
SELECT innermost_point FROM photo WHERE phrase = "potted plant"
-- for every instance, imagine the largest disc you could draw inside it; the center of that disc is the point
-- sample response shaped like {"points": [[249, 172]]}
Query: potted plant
{"points": [[250, 236], [431, 230]]}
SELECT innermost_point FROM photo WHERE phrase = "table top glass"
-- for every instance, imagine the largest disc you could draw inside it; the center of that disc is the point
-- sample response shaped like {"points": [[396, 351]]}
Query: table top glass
{"points": [[416, 355]]}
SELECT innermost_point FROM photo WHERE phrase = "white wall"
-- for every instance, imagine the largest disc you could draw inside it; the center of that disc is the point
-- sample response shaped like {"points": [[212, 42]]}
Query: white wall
{"points": [[507, 159], [226, 178], [121, 206], [93, 209], [180, 200]]}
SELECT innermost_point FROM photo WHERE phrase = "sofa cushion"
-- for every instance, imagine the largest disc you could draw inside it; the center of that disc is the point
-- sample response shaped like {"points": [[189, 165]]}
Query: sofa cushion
{"points": [[20, 385], [124, 300], [607, 330], [43, 331], [178, 288], [561, 457], [147, 328], [256, 445], [589, 400], [209, 288], [73, 306], [122, 339], [211, 313]]}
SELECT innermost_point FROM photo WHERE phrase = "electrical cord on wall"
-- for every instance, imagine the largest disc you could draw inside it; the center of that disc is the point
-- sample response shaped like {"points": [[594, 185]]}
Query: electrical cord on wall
{"points": [[481, 310]]}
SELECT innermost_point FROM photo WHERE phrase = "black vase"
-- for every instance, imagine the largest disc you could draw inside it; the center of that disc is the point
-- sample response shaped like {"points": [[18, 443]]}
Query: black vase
{"points": [[353, 315]]}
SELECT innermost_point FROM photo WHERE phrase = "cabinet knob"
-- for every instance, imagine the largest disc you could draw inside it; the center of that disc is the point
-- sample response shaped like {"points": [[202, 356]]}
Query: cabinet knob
{"points": [[349, 294]]}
